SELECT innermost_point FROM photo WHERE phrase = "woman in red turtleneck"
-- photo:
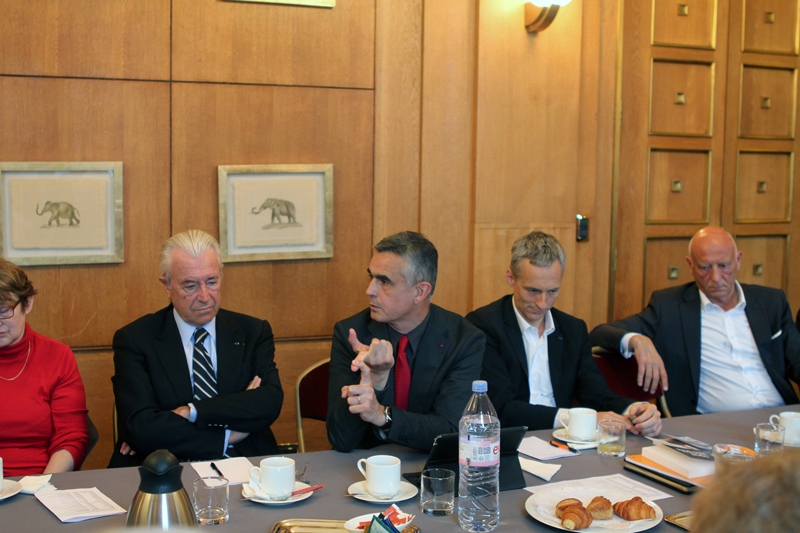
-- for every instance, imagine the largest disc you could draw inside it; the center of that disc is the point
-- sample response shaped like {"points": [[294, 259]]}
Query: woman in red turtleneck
{"points": [[42, 401]]}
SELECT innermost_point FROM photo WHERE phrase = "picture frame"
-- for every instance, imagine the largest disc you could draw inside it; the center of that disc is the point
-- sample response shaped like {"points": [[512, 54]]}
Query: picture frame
{"points": [[298, 200], [304, 3], [84, 202]]}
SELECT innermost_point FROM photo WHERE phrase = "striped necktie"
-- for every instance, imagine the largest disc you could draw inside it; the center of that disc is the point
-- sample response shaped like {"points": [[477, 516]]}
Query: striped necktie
{"points": [[205, 381]]}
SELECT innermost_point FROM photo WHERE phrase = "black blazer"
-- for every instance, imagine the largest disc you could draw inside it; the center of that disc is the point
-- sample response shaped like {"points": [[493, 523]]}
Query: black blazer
{"points": [[447, 361], [151, 377], [672, 320], [573, 372]]}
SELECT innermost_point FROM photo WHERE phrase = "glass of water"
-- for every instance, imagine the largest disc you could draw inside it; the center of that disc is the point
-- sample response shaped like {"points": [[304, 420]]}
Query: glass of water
{"points": [[437, 491], [611, 438], [211, 500]]}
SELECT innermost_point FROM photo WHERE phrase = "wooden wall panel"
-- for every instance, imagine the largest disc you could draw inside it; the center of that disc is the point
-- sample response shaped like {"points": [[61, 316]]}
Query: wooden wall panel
{"points": [[234, 124], [527, 115], [769, 102], [448, 136], [106, 39], [678, 186], [665, 265], [534, 167], [244, 42], [47, 119], [692, 25], [398, 108], [681, 101], [493, 244], [764, 187], [770, 26], [763, 260]]}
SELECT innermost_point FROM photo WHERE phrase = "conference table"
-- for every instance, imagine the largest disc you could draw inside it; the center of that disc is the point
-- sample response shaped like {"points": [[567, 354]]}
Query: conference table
{"points": [[337, 471]]}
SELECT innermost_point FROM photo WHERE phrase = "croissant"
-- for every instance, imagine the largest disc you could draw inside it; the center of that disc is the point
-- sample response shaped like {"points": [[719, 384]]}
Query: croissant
{"points": [[576, 517], [563, 504], [634, 509], [600, 508]]}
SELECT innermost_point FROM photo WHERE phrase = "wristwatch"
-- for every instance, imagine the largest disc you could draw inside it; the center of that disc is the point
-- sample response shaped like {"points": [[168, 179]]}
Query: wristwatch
{"points": [[387, 412]]}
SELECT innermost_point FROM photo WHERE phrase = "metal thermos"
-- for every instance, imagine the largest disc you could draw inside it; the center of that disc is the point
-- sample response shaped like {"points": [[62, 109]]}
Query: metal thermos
{"points": [[161, 501]]}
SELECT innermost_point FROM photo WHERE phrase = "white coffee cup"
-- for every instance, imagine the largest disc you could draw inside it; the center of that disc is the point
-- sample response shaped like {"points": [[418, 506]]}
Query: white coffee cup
{"points": [[791, 421], [581, 423], [383, 475], [274, 477]]}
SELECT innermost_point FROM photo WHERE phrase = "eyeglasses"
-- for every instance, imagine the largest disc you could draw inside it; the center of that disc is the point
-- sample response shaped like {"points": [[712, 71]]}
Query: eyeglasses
{"points": [[192, 287], [8, 312]]}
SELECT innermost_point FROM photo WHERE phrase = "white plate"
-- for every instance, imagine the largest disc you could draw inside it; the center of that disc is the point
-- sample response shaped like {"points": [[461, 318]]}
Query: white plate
{"points": [[251, 494], [562, 434], [351, 524], [10, 488], [542, 504], [359, 491]]}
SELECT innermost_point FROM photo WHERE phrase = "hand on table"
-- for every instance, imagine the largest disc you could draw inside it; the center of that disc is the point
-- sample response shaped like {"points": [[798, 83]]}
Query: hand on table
{"points": [[645, 418]]}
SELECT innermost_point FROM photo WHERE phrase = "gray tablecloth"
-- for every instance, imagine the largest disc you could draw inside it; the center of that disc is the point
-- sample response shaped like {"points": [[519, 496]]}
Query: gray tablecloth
{"points": [[337, 471]]}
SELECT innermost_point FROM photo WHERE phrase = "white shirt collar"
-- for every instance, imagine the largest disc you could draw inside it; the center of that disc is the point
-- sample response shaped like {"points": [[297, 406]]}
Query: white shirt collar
{"points": [[704, 301], [187, 330], [549, 325]]}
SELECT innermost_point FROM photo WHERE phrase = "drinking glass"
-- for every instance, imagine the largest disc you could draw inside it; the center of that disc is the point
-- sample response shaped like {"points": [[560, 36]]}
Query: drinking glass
{"points": [[437, 491], [611, 438], [211, 500]]}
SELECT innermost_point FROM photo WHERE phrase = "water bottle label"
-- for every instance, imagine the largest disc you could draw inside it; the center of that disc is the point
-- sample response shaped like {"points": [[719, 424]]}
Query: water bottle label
{"points": [[479, 453]]}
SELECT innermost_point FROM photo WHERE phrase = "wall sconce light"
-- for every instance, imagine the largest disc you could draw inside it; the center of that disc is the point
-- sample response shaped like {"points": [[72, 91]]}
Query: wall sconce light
{"points": [[539, 14]]}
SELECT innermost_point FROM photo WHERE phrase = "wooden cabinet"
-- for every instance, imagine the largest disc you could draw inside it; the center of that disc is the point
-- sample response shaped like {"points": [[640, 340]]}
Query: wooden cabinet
{"points": [[681, 98], [707, 136], [678, 186], [689, 23]]}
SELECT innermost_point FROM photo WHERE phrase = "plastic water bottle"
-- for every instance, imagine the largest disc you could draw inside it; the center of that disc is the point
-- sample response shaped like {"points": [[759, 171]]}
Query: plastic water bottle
{"points": [[479, 463]]}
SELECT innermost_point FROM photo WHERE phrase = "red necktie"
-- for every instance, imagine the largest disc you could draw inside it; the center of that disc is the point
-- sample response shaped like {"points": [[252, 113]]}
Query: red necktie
{"points": [[402, 375]]}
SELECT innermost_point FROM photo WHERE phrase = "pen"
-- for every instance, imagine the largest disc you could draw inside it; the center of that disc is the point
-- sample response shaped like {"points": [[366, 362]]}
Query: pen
{"points": [[564, 447], [307, 489], [215, 469]]}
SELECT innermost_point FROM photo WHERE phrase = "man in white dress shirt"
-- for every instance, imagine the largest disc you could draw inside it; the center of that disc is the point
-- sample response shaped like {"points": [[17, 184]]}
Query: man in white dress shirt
{"points": [[538, 359], [715, 344]]}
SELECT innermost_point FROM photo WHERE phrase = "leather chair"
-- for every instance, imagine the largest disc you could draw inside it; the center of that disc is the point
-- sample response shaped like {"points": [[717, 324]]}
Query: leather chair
{"points": [[620, 374], [311, 397]]}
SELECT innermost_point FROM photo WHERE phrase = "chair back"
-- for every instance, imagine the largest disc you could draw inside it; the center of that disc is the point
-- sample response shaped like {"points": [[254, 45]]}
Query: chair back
{"points": [[621, 374], [311, 397], [94, 436]]}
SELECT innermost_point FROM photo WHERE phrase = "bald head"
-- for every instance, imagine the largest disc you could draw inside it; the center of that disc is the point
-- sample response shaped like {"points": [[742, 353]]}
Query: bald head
{"points": [[712, 235], [714, 262]]}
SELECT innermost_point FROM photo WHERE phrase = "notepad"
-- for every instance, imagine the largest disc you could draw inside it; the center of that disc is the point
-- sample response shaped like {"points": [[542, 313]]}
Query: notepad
{"points": [[682, 464]]}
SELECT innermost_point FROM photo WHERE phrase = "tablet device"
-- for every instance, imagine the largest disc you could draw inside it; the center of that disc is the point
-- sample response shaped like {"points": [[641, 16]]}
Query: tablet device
{"points": [[444, 454]]}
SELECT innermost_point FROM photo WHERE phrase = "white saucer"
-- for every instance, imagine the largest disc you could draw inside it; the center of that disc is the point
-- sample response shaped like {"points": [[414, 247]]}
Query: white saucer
{"points": [[351, 525], [359, 491], [254, 496], [563, 434], [10, 488]]}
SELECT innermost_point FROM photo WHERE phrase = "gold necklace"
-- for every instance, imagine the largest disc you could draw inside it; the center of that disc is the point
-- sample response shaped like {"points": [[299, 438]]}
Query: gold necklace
{"points": [[23, 366]]}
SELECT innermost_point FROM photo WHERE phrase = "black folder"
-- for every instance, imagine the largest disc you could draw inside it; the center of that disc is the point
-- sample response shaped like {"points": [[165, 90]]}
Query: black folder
{"points": [[444, 454]]}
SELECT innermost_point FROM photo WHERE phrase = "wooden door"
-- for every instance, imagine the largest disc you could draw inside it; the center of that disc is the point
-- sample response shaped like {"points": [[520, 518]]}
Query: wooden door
{"points": [[708, 136]]}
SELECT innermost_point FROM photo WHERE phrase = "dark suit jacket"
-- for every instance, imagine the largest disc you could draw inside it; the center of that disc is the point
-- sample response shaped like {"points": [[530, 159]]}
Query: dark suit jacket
{"points": [[151, 377], [447, 361], [573, 372], [672, 321]]}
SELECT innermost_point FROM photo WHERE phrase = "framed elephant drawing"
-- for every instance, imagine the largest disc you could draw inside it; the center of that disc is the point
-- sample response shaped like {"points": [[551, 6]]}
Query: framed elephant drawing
{"points": [[275, 212], [61, 213]]}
